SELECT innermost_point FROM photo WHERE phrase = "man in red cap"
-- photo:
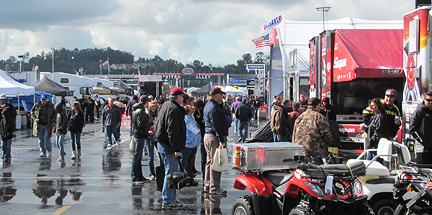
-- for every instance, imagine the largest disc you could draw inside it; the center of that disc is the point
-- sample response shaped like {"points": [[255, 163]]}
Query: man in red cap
{"points": [[216, 131], [170, 133]]}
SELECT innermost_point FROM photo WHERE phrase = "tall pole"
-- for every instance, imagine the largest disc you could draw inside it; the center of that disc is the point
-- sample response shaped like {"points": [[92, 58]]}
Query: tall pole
{"points": [[52, 59], [73, 64], [324, 10], [100, 67], [108, 67]]}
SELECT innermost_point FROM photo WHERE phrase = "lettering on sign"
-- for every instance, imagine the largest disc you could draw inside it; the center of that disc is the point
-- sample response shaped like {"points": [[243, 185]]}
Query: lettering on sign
{"points": [[347, 130], [339, 63]]}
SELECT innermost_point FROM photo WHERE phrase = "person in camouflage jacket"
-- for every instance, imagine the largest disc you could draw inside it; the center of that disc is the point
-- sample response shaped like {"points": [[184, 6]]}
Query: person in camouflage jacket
{"points": [[312, 131]]}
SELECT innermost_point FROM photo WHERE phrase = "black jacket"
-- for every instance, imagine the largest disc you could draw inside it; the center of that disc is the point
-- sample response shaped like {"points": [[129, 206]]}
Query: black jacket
{"points": [[421, 122], [170, 128], [377, 129], [243, 112], [76, 124], [7, 123], [140, 120], [129, 109], [62, 119], [215, 120]]}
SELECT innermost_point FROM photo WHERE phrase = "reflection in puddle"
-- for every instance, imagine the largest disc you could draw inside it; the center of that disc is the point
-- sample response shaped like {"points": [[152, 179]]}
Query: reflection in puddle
{"points": [[45, 188], [7, 189], [111, 161]]}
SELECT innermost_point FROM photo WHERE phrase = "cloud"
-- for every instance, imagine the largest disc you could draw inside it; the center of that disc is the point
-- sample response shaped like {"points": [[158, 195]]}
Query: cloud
{"points": [[228, 50], [168, 28]]}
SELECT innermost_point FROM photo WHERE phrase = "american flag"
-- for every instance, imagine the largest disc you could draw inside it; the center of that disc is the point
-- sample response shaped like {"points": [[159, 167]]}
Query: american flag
{"points": [[105, 63], [266, 40]]}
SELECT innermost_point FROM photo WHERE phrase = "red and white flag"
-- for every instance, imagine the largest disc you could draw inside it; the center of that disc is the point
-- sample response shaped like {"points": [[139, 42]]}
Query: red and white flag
{"points": [[266, 40], [106, 63]]}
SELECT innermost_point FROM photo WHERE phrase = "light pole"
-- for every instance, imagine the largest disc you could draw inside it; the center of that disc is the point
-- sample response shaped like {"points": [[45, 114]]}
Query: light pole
{"points": [[21, 57], [73, 64], [52, 59], [324, 10], [100, 68]]}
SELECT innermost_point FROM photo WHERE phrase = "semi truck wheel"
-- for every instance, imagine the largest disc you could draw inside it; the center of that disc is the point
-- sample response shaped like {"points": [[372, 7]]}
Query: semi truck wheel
{"points": [[242, 206]]}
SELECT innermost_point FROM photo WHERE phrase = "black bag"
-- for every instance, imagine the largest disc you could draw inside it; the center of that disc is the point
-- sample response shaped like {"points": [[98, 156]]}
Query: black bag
{"points": [[177, 180], [160, 177]]}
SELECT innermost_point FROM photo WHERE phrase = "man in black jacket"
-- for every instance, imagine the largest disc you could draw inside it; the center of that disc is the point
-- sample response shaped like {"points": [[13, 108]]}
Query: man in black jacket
{"points": [[216, 131], [170, 133], [141, 133], [421, 126], [129, 111], [7, 127], [243, 113]]}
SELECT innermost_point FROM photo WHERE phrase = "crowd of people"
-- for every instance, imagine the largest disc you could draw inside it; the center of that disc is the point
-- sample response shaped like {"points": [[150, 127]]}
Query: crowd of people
{"points": [[178, 124]]}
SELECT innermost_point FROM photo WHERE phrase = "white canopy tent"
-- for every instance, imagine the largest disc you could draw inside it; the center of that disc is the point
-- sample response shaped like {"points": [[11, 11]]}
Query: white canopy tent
{"points": [[229, 90], [8, 86]]}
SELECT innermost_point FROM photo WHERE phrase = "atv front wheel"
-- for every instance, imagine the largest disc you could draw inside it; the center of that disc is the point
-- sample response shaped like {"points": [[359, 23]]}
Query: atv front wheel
{"points": [[300, 211], [242, 206]]}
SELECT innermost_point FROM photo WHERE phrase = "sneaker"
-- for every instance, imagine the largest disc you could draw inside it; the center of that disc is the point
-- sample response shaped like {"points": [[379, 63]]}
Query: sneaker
{"points": [[172, 206], [239, 140], [108, 146], [60, 160], [218, 192], [42, 155], [49, 155], [152, 177]]}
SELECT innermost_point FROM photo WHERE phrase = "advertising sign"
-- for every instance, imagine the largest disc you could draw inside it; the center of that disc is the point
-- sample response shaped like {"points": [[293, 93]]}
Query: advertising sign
{"points": [[255, 66]]}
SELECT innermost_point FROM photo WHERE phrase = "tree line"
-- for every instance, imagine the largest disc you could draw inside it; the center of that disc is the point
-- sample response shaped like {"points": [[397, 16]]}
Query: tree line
{"points": [[89, 60]]}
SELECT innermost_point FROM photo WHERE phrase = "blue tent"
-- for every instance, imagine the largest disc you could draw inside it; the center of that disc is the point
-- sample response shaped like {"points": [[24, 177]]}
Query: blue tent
{"points": [[29, 99]]}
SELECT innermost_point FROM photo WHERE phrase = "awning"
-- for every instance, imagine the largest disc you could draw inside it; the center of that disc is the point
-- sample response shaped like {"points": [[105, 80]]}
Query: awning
{"points": [[367, 53], [49, 86]]}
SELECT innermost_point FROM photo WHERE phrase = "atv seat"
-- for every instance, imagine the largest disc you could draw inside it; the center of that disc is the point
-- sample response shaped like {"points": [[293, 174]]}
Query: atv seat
{"points": [[277, 177], [339, 170]]}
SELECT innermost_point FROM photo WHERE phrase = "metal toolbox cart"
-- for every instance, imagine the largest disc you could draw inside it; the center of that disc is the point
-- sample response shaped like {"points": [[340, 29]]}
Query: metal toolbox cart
{"points": [[266, 156]]}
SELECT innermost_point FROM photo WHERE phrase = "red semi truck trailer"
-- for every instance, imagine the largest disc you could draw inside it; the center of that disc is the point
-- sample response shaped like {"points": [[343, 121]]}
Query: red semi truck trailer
{"points": [[352, 66]]}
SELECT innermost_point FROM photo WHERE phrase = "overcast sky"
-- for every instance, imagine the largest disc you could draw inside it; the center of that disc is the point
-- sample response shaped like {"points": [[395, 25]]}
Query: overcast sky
{"points": [[212, 31]]}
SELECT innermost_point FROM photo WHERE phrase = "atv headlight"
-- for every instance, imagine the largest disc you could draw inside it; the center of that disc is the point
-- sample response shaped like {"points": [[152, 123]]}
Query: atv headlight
{"points": [[357, 187], [315, 188]]}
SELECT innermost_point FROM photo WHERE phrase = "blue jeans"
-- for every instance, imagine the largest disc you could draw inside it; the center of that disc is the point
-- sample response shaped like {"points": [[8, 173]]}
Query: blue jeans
{"points": [[371, 155], [203, 159], [44, 140], [243, 130], [59, 142], [235, 122], [6, 148], [75, 138], [150, 151], [131, 128], [284, 138], [169, 194], [136, 172], [112, 130], [188, 158]]}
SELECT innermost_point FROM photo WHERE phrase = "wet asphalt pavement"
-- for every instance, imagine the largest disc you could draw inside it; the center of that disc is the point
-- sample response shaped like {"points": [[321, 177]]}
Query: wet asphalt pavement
{"points": [[98, 183]]}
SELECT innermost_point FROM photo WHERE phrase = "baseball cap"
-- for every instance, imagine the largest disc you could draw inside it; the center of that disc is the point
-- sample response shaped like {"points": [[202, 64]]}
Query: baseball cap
{"points": [[43, 97], [144, 99], [313, 102], [215, 91], [3, 96], [177, 91], [244, 100]]}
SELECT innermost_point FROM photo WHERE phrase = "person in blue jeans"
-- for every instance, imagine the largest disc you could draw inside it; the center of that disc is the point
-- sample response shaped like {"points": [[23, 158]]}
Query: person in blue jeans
{"points": [[75, 127], [111, 118], [151, 144], [141, 132], [61, 129], [7, 127], [193, 139], [44, 117], [244, 114], [170, 133]]}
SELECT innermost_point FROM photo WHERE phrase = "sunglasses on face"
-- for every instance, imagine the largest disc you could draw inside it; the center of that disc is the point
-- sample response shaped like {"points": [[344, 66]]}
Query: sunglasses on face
{"points": [[429, 100], [391, 96]]}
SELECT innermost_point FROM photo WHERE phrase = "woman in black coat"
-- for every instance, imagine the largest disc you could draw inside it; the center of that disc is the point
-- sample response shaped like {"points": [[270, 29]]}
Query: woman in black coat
{"points": [[76, 124], [61, 128], [377, 127]]}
